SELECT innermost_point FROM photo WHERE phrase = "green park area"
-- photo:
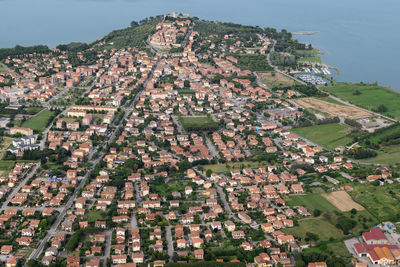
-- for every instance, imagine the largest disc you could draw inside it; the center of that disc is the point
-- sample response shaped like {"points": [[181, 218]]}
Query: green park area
{"points": [[38, 122], [327, 135], [201, 123], [373, 97]]}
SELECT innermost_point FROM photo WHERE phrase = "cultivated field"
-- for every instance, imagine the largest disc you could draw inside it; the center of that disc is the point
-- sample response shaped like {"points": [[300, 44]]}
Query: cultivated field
{"points": [[342, 201], [327, 135], [332, 109], [276, 80], [368, 96]]}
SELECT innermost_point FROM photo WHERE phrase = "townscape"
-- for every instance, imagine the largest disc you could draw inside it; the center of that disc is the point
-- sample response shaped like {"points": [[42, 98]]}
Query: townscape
{"points": [[174, 148]]}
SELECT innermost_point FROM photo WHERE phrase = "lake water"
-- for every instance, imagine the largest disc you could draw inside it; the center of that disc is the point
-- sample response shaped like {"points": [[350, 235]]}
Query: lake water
{"points": [[360, 37]]}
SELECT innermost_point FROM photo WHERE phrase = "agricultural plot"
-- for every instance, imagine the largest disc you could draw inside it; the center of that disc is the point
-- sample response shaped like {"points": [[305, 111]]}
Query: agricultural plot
{"points": [[332, 109], [276, 80], [342, 201], [368, 96]]}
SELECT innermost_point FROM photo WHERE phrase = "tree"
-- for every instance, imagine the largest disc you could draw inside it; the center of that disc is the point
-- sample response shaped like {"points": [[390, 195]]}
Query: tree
{"points": [[382, 108], [186, 83], [209, 172], [134, 24], [317, 213], [43, 224]]}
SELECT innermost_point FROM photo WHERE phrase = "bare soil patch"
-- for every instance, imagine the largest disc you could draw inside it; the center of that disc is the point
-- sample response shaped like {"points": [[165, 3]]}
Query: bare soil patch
{"points": [[343, 201], [332, 109]]}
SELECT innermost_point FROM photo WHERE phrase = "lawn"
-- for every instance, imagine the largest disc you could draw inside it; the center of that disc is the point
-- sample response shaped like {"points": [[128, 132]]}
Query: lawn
{"points": [[2, 69], [276, 80], [166, 189], [38, 122], [218, 168], [198, 123], [95, 215], [186, 92], [369, 96], [327, 135]]}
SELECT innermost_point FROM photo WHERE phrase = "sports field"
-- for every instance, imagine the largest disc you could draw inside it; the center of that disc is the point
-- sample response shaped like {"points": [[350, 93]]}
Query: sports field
{"points": [[198, 123]]}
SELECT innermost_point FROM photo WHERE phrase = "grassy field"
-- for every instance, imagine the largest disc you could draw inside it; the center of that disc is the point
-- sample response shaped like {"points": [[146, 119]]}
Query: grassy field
{"points": [[327, 135], [378, 136], [319, 226], [330, 100], [324, 226], [386, 155], [7, 165], [198, 123], [382, 201], [371, 96], [2, 69], [33, 110], [218, 168], [38, 122], [312, 201], [313, 59], [311, 52], [4, 145], [276, 80]]}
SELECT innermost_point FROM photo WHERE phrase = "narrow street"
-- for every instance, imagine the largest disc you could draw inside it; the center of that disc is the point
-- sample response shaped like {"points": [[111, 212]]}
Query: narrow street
{"points": [[21, 184]]}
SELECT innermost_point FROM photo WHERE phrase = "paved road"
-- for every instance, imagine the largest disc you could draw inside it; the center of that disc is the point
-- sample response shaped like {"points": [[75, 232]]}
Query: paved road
{"points": [[212, 148], [170, 242], [178, 124], [16, 189], [107, 252]]}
